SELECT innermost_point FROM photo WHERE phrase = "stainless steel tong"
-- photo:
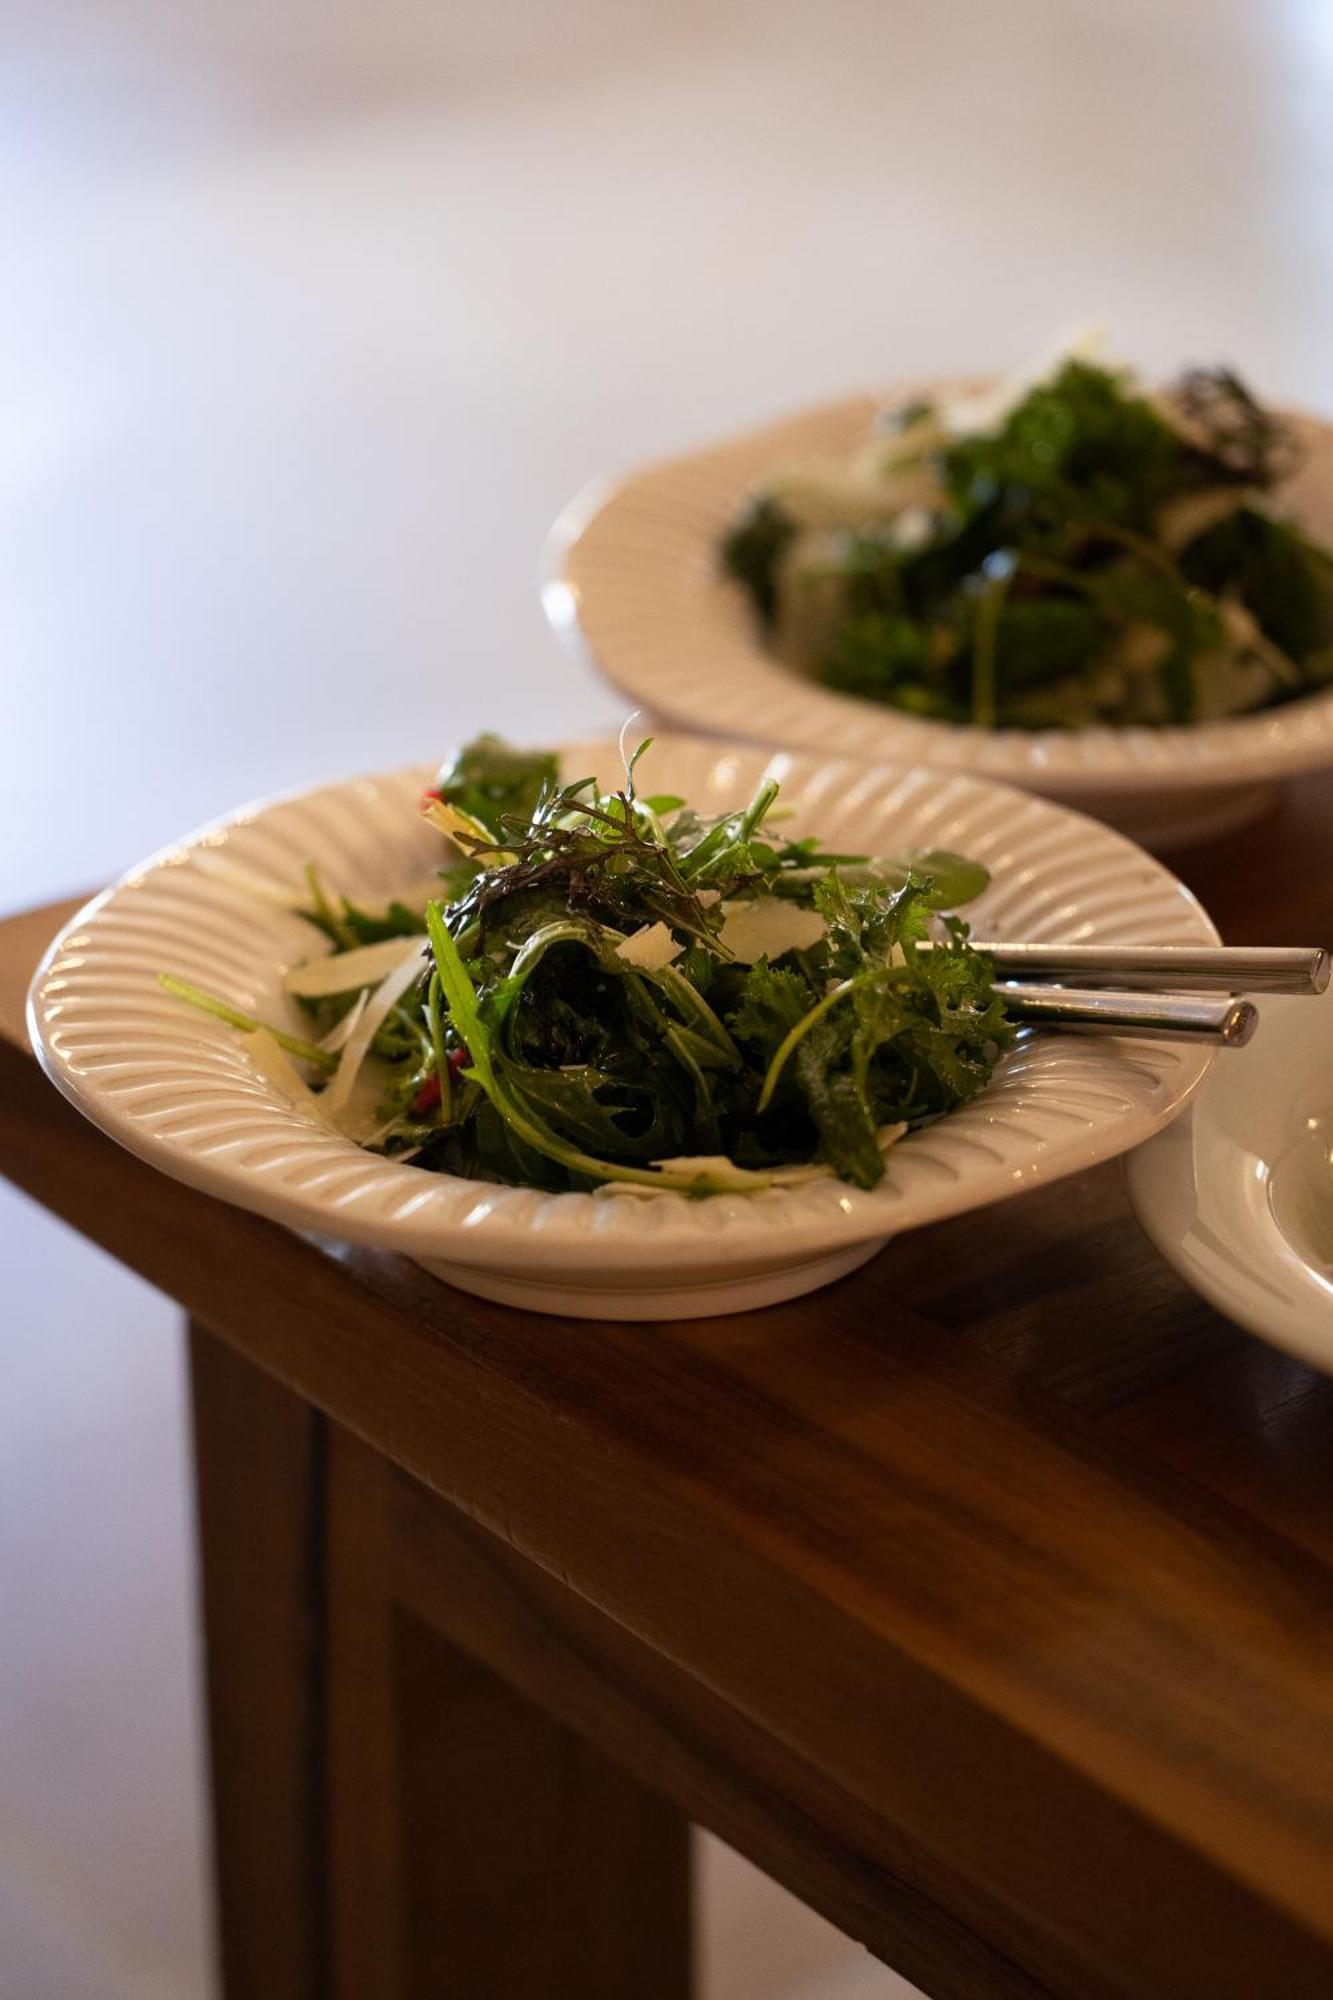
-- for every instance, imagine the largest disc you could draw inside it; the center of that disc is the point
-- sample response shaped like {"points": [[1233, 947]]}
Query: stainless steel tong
{"points": [[1153, 990]]}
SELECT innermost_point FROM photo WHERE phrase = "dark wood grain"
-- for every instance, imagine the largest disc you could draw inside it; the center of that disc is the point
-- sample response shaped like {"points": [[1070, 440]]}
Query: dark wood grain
{"points": [[986, 1598], [683, 1741], [530, 1863]]}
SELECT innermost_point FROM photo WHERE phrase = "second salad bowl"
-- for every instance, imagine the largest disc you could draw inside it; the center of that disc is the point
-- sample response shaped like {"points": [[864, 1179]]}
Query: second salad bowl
{"points": [[1118, 600]]}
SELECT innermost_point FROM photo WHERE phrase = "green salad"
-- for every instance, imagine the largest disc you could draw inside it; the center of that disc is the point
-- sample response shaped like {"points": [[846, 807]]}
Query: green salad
{"points": [[611, 991], [1062, 551]]}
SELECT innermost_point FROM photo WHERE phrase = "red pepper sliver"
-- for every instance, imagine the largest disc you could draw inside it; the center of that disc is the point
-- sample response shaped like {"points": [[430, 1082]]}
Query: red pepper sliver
{"points": [[428, 1096]]}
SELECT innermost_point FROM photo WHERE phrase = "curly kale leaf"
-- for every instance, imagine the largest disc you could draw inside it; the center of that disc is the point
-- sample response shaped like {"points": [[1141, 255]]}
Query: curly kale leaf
{"points": [[907, 1043], [753, 550], [1041, 639], [772, 1001], [1078, 448], [867, 921], [886, 656], [1240, 440], [886, 1026], [1285, 581]]}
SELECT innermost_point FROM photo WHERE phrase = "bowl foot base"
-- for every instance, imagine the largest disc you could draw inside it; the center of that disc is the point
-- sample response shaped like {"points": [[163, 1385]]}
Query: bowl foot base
{"points": [[617, 1299]]}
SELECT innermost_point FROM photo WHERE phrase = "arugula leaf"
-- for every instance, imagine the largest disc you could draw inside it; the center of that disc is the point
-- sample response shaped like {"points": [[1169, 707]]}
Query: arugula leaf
{"points": [[838, 1105], [491, 781]]}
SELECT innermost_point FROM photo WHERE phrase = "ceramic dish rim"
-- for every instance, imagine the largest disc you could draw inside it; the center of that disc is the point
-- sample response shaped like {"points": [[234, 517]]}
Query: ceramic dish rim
{"points": [[753, 1222]]}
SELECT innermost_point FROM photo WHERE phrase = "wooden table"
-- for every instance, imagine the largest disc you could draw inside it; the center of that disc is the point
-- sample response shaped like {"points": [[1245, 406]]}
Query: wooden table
{"points": [[985, 1599]]}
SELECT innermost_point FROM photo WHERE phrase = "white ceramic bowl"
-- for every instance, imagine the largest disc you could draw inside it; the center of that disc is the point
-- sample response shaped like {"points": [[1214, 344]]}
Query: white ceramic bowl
{"points": [[180, 1090], [630, 575], [1238, 1195]]}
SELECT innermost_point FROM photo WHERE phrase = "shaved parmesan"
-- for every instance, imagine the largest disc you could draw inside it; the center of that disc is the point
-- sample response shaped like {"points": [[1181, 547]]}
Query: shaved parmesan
{"points": [[426, 889], [341, 1030], [345, 971], [766, 926], [386, 996], [911, 529], [273, 1062], [359, 1120], [716, 1166], [716, 1174], [649, 949], [868, 488], [724, 1176]]}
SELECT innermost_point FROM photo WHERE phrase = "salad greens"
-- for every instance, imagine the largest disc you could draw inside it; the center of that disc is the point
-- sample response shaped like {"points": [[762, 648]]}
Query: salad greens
{"points": [[614, 991], [1065, 551]]}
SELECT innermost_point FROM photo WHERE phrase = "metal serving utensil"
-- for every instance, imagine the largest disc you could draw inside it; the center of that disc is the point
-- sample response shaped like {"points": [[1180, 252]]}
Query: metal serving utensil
{"points": [[1167, 967], [1177, 1016]]}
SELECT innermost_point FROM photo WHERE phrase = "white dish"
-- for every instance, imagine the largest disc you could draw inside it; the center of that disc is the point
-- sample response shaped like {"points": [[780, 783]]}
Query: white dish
{"points": [[1238, 1195], [630, 574], [179, 1088]]}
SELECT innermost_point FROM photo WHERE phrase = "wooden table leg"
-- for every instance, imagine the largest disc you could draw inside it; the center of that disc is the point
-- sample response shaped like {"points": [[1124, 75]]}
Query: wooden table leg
{"points": [[259, 1478], [480, 1848], [391, 1817]]}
